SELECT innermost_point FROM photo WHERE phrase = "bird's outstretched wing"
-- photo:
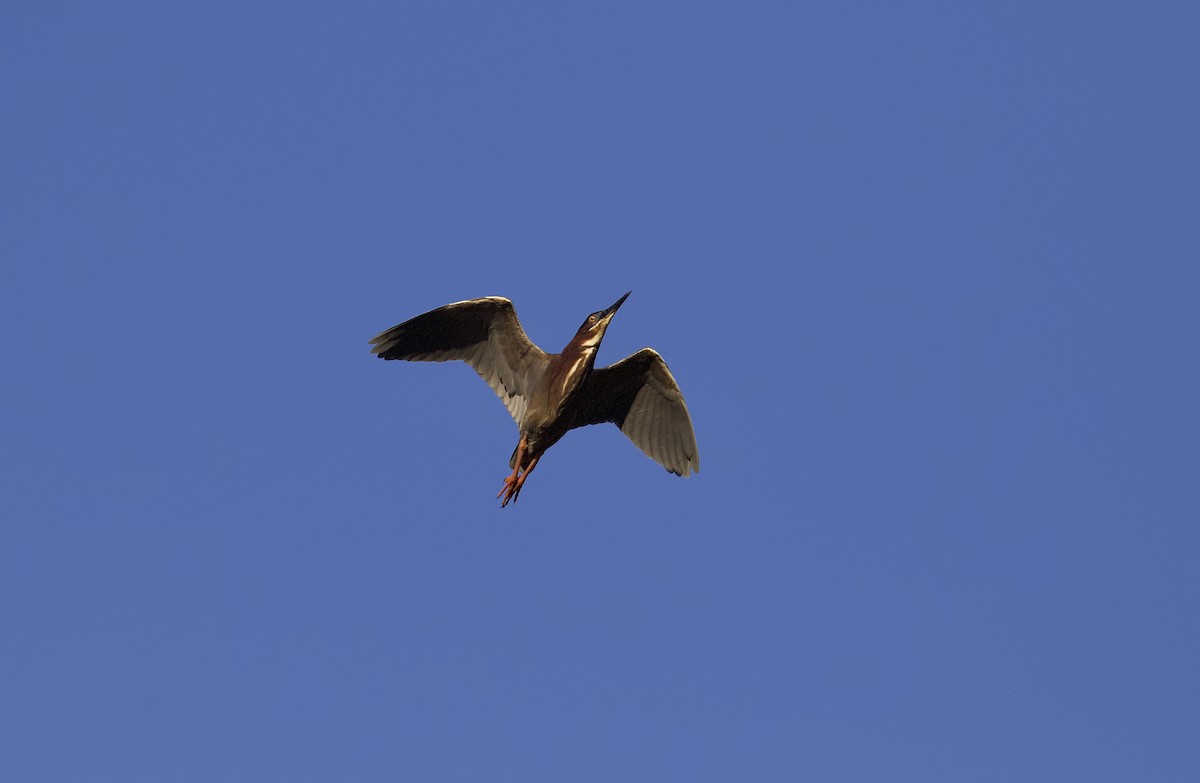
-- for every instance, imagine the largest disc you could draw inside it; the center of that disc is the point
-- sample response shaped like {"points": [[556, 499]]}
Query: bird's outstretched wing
{"points": [[640, 396], [484, 333]]}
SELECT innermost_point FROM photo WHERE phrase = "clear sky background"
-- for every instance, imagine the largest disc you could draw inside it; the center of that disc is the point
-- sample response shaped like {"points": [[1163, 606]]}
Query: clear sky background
{"points": [[927, 273]]}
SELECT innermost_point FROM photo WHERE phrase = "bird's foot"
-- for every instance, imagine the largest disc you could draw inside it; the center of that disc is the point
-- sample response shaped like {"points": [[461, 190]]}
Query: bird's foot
{"points": [[510, 490]]}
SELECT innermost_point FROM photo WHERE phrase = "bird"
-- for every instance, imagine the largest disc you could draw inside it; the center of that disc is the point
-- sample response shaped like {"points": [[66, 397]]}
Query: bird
{"points": [[549, 394]]}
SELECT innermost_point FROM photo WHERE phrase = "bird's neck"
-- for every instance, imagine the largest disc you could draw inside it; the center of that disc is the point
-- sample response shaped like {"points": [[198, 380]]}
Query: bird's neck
{"points": [[578, 360]]}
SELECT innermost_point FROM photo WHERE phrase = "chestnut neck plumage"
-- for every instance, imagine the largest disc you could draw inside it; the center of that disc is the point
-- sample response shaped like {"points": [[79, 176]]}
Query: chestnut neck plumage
{"points": [[565, 377], [576, 362]]}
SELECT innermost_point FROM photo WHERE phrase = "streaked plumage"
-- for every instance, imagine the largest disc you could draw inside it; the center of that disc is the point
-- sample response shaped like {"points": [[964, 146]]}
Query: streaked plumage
{"points": [[550, 394]]}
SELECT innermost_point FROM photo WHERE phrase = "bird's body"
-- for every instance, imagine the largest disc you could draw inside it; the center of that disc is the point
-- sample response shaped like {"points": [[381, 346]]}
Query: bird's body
{"points": [[550, 394]]}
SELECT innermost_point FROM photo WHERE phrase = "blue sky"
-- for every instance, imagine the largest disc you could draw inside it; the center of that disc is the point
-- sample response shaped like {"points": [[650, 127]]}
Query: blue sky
{"points": [[926, 273]]}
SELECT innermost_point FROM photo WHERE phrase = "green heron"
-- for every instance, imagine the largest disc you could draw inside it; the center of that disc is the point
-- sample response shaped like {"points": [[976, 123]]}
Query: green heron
{"points": [[550, 393]]}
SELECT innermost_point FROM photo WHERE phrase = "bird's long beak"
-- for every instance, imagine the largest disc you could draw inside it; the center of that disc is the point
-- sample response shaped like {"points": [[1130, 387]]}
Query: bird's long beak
{"points": [[617, 305]]}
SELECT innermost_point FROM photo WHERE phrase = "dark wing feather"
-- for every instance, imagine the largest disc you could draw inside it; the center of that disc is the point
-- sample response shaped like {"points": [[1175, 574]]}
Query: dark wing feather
{"points": [[640, 396], [484, 333]]}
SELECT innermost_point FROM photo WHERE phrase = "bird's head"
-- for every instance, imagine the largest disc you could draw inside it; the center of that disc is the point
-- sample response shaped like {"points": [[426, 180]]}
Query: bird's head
{"points": [[591, 332]]}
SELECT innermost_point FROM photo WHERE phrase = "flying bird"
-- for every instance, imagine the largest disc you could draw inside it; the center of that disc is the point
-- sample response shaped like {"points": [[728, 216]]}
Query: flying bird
{"points": [[549, 394]]}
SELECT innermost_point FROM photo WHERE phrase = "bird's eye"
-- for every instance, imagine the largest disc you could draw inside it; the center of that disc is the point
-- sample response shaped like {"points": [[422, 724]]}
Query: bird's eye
{"points": [[592, 318]]}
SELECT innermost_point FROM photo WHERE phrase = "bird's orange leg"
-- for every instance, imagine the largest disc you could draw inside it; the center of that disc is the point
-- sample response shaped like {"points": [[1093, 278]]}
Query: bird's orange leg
{"points": [[521, 481], [511, 483]]}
